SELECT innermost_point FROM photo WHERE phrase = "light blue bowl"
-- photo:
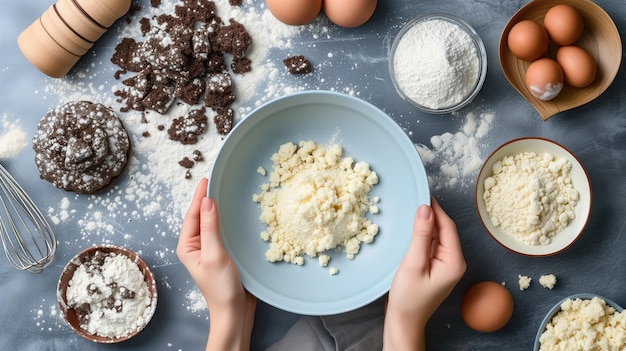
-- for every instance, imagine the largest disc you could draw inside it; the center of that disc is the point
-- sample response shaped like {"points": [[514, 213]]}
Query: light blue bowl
{"points": [[557, 308], [366, 134]]}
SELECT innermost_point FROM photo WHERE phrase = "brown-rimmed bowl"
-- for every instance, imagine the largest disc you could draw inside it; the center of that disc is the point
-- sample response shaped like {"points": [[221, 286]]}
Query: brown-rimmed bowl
{"points": [[579, 178], [600, 39], [70, 315]]}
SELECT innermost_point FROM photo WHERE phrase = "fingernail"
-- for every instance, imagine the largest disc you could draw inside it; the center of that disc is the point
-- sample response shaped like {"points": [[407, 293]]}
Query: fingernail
{"points": [[207, 204], [423, 212]]}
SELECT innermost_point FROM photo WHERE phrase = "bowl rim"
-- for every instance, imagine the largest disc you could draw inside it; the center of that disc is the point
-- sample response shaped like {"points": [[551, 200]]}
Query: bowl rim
{"points": [[478, 43], [478, 196], [557, 307], [68, 272]]}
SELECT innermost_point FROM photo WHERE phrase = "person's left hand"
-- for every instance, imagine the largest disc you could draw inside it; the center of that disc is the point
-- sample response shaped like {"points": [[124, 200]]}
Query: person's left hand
{"points": [[201, 251]]}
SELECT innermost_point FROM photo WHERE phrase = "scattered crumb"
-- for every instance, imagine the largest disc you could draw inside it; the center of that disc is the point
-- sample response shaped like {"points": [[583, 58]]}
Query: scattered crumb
{"points": [[197, 156], [186, 162], [333, 270], [323, 260], [524, 282], [297, 64], [261, 171], [548, 281]]}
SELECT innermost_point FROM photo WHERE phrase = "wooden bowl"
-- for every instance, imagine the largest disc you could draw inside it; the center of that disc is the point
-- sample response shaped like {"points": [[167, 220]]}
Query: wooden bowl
{"points": [[70, 315], [600, 38]]}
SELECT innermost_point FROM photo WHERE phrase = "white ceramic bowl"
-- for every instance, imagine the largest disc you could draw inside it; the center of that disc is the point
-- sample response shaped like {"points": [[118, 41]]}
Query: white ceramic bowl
{"points": [[480, 50], [580, 180], [557, 308], [366, 134]]}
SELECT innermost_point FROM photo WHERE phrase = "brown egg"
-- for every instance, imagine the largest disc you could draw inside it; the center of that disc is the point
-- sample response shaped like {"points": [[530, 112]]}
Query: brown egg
{"points": [[528, 40], [349, 13], [564, 24], [579, 68], [544, 79], [295, 12], [487, 307]]}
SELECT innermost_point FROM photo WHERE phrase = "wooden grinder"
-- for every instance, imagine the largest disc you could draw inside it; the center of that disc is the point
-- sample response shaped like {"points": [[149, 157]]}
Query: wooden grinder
{"points": [[66, 31]]}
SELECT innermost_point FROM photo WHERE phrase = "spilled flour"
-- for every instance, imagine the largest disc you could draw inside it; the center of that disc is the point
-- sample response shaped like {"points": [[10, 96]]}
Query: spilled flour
{"points": [[12, 138], [454, 158]]}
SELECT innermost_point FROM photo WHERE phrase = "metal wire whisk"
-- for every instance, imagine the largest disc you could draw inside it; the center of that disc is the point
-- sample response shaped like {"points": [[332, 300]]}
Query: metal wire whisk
{"points": [[27, 238]]}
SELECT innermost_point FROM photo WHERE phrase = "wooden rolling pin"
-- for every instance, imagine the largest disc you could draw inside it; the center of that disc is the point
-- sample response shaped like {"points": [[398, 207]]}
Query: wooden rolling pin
{"points": [[66, 31]]}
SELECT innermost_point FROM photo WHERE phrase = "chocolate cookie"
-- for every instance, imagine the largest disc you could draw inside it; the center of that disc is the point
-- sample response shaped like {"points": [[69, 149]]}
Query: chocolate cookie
{"points": [[80, 146]]}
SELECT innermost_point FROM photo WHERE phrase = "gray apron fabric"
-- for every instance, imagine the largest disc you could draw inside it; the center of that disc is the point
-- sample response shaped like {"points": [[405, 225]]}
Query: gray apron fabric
{"points": [[358, 330]]}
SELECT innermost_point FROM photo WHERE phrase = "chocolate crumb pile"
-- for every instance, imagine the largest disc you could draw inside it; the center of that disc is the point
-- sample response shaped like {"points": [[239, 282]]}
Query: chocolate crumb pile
{"points": [[183, 57], [297, 64]]}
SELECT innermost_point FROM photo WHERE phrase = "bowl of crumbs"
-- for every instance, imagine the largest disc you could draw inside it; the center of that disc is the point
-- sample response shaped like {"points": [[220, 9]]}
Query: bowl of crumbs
{"points": [[317, 192], [533, 196], [582, 322], [107, 294], [438, 63], [560, 54]]}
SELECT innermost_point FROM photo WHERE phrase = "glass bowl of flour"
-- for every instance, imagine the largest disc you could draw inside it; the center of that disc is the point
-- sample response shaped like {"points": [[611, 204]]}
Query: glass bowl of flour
{"points": [[438, 63]]}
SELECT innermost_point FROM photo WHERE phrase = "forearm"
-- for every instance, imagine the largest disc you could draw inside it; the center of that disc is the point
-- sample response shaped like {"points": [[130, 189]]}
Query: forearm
{"points": [[231, 330], [403, 333], [223, 336]]}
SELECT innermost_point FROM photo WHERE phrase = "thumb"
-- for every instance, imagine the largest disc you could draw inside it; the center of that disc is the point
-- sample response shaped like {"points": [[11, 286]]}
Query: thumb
{"points": [[210, 240], [421, 242]]}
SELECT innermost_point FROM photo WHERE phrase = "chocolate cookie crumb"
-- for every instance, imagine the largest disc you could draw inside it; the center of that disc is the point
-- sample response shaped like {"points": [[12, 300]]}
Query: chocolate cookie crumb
{"points": [[241, 65], [235, 2], [83, 311], [218, 90], [297, 64], [223, 120], [159, 99], [145, 26], [234, 39], [190, 92], [186, 129], [186, 162], [197, 156]]}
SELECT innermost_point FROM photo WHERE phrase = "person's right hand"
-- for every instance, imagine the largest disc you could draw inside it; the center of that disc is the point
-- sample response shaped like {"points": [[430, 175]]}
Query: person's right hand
{"points": [[431, 268]]}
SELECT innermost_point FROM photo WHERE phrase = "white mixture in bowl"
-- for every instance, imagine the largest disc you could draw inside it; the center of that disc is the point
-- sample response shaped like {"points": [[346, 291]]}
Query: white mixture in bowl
{"points": [[316, 201], [531, 196], [585, 325]]}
